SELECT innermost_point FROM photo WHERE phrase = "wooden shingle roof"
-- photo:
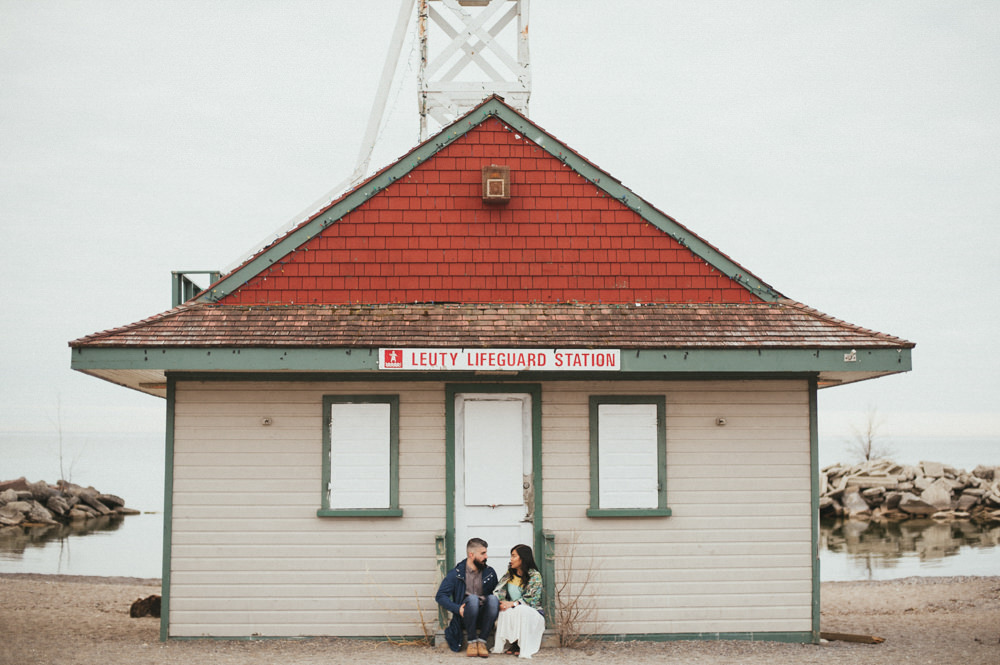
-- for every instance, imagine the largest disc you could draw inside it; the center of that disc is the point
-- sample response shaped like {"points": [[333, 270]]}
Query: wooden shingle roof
{"points": [[781, 325]]}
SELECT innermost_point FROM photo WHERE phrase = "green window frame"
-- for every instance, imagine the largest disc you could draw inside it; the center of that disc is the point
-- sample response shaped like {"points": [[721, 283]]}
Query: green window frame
{"points": [[330, 402], [661, 509]]}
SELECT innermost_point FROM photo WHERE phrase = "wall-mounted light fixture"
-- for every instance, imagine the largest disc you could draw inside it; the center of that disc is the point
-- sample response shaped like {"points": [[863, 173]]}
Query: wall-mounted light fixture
{"points": [[496, 184]]}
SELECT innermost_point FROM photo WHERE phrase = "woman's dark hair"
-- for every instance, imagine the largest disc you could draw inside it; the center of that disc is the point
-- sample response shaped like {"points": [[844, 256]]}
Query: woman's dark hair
{"points": [[527, 561]]}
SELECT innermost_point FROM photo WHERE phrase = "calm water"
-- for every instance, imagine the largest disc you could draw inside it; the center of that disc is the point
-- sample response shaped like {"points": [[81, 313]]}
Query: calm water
{"points": [[126, 547], [127, 465], [870, 551], [131, 466]]}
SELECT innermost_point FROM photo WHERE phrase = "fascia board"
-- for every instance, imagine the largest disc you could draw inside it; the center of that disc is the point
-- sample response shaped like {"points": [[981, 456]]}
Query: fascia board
{"points": [[829, 362]]}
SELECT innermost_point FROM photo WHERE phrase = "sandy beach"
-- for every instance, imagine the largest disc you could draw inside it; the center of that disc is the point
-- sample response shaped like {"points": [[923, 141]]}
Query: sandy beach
{"points": [[71, 619]]}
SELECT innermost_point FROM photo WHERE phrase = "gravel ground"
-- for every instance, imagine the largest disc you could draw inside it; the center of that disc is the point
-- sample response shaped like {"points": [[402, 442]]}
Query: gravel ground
{"points": [[71, 620]]}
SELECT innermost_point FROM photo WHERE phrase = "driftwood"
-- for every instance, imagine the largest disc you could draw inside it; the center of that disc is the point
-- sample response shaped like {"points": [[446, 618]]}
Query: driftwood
{"points": [[848, 637], [145, 607]]}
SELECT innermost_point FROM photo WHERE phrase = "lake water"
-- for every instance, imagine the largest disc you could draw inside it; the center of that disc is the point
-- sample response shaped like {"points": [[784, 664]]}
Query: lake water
{"points": [[127, 465], [854, 550], [131, 466]]}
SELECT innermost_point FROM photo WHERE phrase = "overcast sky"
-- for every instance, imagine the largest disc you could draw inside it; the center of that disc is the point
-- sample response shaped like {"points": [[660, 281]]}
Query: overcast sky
{"points": [[844, 152]]}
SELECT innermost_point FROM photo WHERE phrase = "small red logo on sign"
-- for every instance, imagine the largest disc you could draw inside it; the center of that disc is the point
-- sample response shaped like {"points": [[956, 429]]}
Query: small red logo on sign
{"points": [[392, 359]]}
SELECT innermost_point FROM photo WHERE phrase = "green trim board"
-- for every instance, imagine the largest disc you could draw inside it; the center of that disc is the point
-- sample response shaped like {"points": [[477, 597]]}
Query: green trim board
{"points": [[168, 511], [440, 558], [814, 505], [629, 512], [451, 391], [794, 637], [831, 361], [548, 562], [661, 509], [393, 509], [359, 512], [492, 107], [791, 637], [395, 639]]}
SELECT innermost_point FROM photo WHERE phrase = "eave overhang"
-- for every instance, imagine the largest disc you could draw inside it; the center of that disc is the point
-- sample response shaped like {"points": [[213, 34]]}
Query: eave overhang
{"points": [[654, 341], [147, 369]]}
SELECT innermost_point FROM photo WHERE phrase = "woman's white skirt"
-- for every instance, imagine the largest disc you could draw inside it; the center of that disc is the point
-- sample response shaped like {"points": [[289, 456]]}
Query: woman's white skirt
{"points": [[521, 624]]}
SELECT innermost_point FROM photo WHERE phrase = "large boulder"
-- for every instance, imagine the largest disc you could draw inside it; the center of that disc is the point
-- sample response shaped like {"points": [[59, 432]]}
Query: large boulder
{"points": [[967, 501], [89, 498], [145, 607], [913, 505], [932, 469], [938, 494], [985, 472], [10, 516], [874, 496], [41, 491], [854, 504], [19, 506], [111, 501], [57, 505], [7, 496], [39, 514], [19, 485], [872, 481]]}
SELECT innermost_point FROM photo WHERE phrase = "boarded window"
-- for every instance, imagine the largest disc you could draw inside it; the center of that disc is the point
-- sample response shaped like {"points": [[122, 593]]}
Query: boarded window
{"points": [[628, 456], [360, 449]]}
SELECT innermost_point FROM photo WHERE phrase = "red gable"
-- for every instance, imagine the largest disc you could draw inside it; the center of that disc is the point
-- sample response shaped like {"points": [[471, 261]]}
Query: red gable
{"points": [[429, 237]]}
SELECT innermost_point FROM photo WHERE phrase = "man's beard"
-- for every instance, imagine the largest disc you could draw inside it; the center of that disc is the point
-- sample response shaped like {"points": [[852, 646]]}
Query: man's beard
{"points": [[481, 565]]}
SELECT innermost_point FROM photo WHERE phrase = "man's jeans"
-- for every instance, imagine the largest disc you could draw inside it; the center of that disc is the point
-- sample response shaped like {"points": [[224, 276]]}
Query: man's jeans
{"points": [[480, 616]]}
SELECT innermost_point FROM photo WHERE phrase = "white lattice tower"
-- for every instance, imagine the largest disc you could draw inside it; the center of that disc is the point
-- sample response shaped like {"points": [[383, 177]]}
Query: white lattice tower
{"points": [[470, 49]]}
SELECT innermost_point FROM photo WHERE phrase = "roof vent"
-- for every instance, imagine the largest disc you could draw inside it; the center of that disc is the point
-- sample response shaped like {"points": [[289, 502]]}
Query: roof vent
{"points": [[496, 184]]}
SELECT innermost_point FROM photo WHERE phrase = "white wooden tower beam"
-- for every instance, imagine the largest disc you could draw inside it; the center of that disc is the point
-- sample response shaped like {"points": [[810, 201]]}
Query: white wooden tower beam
{"points": [[470, 49], [382, 94]]}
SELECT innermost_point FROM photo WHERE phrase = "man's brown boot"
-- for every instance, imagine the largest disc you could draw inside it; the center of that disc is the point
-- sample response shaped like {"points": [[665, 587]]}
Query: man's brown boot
{"points": [[483, 651], [472, 651]]}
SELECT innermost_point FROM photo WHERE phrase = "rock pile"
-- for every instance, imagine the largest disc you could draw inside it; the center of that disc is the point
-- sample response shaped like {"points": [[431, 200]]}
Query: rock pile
{"points": [[33, 504], [883, 490]]}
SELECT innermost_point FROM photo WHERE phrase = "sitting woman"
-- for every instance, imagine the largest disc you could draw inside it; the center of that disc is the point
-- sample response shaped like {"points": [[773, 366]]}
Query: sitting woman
{"points": [[520, 624]]}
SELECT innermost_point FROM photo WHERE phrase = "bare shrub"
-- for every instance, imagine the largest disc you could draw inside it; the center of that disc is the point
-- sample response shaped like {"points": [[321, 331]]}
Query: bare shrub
{"points": [[868, 443], [574, 605]]}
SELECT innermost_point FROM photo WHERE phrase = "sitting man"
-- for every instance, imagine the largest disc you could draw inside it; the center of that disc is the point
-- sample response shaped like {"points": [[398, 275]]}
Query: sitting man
{"points": [[467, 592]]}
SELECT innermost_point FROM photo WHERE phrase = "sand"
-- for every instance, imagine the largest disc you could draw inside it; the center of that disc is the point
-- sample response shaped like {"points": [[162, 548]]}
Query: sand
{"points": [[70, 619]]}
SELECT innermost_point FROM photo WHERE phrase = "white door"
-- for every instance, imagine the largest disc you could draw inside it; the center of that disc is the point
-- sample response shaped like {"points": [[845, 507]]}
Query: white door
{"points": [[493, 473]]}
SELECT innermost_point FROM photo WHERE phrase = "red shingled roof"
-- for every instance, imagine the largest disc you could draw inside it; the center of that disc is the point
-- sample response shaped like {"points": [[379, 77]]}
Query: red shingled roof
{"points": [[783, 324]]}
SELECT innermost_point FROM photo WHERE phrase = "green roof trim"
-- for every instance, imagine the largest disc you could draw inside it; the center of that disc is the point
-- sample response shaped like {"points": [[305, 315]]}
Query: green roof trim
{"points": [[490, 108], [728, 361]]}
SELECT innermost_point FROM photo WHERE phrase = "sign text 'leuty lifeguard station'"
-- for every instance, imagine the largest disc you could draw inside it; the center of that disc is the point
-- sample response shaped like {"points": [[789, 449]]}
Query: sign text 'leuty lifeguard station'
{"points": [[518, 360]]}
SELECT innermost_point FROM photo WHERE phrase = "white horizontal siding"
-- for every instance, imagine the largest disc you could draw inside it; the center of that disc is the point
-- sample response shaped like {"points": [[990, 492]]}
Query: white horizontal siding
{"points": [[735, 555], [250, 556]]}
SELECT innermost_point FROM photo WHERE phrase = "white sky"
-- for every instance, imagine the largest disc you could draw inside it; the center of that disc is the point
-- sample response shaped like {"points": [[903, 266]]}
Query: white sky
{"points": [[845, 152]]}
